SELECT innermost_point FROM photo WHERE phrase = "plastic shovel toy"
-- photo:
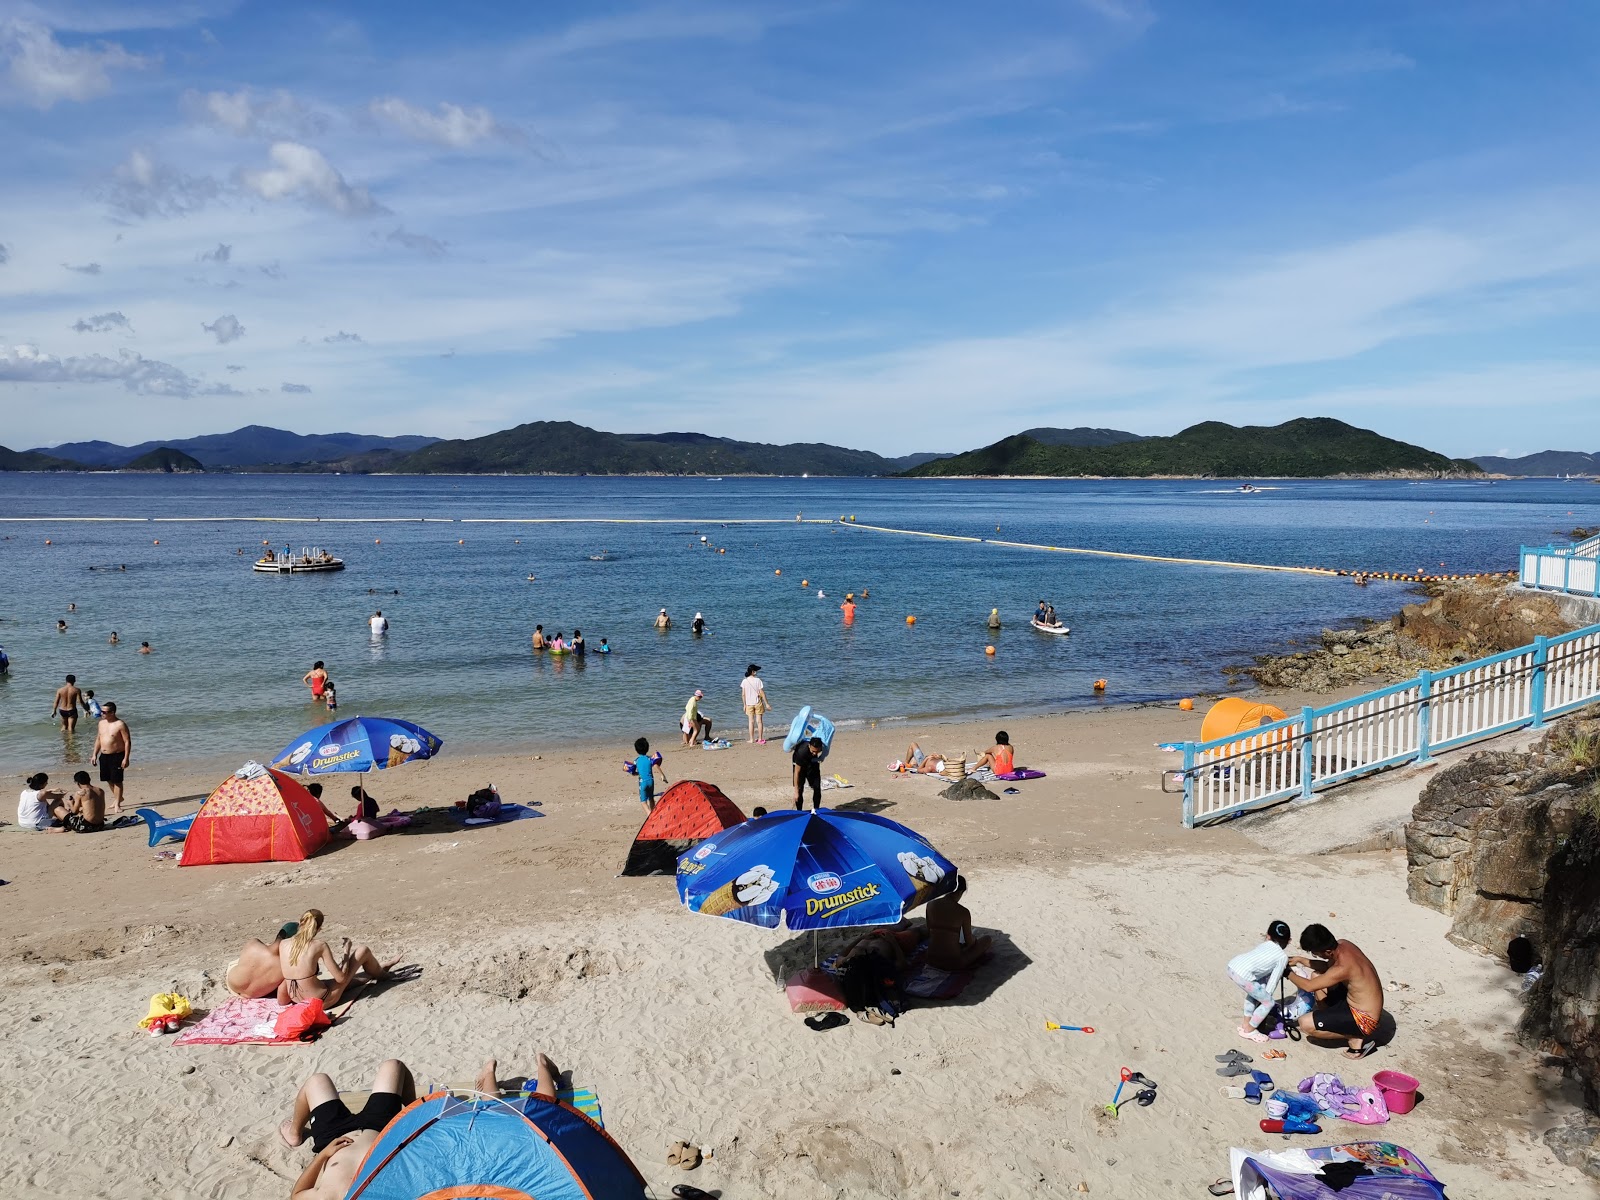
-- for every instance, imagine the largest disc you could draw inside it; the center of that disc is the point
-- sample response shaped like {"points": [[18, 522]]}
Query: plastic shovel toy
{"points": [[1122, 1082], [1052, 1026]]}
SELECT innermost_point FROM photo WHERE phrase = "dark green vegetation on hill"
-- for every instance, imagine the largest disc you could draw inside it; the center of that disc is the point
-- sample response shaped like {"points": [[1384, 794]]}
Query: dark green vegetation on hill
{"points": [[251, 446], [564, 448], [1304, 447], [164, 459], [1081, 435], [1546, 462], [32, 460]]}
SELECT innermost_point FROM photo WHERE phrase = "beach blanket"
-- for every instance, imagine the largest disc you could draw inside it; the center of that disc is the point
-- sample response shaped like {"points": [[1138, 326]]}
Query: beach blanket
{"points": [[508, 812], [240, 1021], [931, 983], [1022, 773]]}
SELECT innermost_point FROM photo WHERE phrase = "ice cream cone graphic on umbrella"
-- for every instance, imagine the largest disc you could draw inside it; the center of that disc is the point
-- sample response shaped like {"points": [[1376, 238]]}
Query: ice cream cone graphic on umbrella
{"points": [[401, 748], [925, 873], [755, 886]]}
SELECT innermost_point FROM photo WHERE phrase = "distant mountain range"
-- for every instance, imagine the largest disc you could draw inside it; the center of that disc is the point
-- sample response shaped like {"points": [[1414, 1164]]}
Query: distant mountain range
{"points": [[1305, 447], [564, 448], [252, 446], [1546, 462], [1081, 436]]}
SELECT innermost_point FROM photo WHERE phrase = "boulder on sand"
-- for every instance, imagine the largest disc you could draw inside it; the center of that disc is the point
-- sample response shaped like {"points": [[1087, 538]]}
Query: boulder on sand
{"points": [[968, 789]]}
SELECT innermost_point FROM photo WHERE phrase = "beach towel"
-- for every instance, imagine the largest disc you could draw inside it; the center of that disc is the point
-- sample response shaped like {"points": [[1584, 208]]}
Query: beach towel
{"points": [[585, 1099], [239, 1021], [1022, 773], [508, 812], [931, 983]]}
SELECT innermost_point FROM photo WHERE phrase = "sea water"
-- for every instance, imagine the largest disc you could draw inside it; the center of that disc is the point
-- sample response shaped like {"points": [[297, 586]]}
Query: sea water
{"points": [[230, 645]]}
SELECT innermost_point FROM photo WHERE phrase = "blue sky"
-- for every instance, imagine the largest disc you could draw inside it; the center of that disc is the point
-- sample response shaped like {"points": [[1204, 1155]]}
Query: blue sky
{"points": [[888, 225]]}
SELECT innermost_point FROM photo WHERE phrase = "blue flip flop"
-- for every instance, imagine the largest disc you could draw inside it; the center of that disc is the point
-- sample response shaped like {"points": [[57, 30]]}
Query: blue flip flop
{"points": [[1262, 1078], [1252, 1092]]}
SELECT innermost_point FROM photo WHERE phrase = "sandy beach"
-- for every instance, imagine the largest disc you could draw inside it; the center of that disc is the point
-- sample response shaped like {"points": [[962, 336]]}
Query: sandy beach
{"points": [[1105, 911]]}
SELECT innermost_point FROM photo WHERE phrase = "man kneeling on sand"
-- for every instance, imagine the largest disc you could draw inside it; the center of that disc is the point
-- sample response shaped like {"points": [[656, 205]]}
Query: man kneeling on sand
{"points": [[1350, 995], [341, 1138]]}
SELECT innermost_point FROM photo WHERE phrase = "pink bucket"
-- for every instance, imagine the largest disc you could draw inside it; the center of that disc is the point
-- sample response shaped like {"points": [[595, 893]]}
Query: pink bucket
{"points": [[1399, 1090]]}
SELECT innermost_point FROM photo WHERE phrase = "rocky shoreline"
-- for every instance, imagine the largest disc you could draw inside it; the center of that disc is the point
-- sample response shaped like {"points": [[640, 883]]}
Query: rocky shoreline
{"points": [[1461, 620]]}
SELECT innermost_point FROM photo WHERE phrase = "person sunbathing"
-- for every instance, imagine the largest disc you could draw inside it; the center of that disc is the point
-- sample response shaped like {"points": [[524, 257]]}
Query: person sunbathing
{"points": [[1000, 757], [304, 957], [951, 946], [891, 945], [918, 761], [257, 972], [340, 1137]]}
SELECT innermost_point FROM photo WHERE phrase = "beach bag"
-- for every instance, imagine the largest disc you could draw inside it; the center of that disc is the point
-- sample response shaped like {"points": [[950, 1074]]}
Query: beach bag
{"points": [[484, 804], [302, 1021], [813, 990], [363, 831]]}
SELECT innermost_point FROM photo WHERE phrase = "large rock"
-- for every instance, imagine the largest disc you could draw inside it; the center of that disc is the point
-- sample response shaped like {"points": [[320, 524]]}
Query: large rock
{"points": [[1564, 1006], [968, 789]]}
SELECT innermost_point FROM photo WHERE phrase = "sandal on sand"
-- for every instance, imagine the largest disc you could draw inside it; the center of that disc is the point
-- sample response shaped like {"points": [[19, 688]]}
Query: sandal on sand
{"points": [[682, 1154], [1252, 1093], [686, 1191], [1222, 1187], [1274, 1054], [1367, 1047], [1233, 1056], [876, 1016], [1146, 1098], [1233, 1093], [1141, 1078], [1263, 1079], [1232, 1069], [827, 1020]]}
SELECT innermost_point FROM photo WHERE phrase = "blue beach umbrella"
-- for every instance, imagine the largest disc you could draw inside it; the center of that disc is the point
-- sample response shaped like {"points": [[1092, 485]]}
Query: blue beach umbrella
{"points": [[357, 744], [818, 870]]}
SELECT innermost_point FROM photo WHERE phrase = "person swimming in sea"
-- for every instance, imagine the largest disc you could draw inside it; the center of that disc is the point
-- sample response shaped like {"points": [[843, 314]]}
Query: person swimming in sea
{"points": [[603, 648]]}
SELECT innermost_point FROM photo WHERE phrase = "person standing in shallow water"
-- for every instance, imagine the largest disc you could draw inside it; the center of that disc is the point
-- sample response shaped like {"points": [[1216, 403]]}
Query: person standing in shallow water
{"points": [[65, 705], [316, 679]]}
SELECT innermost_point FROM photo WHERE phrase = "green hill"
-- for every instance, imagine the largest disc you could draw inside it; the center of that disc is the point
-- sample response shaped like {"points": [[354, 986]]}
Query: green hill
{"points": [[564, 448], [1305, 447], [32, 460], [164, 458]]}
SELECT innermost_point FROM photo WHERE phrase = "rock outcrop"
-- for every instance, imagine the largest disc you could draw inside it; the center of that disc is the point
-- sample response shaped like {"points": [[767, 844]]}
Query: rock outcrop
{"points": [[1508, 845]]}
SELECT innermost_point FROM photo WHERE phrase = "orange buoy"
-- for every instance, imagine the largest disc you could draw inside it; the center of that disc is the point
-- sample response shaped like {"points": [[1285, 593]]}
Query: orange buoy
{"points": [[461, 541], [911, 620], [377, 541], [1099, 685], [1186, 704], [47, 541], [989, 650], [777, 570], [721, 550]]}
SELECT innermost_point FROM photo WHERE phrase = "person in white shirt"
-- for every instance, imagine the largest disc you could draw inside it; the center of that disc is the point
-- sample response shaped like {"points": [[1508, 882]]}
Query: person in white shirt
{"points": [[755, 704], [378, 623], [40, 810], [1257, 973]]}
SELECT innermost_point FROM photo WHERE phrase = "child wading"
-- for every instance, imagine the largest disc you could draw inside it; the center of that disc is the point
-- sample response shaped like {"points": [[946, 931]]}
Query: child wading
{"points": [[1257, 972]]}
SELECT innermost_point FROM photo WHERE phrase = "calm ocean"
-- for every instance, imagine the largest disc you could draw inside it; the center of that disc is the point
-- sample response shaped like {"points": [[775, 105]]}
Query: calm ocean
{"points": [[231, 645]]}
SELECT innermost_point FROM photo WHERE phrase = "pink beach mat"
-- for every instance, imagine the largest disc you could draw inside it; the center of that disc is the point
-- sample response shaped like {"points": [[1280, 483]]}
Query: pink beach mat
{"points": [[239, 1021]]}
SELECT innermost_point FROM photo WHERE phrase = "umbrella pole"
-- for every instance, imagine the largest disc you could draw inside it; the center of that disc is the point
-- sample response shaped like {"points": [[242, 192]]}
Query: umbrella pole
{"points": [[815, 960]]}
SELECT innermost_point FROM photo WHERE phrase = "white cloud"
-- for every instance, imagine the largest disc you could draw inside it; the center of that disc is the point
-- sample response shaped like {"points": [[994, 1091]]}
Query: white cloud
{"points": [[295, 387], [26, 364], [221, 254], [342, 336], [299, 170], [44, 71], [420, 242], [143, 187], [248, 114], [225, 329], [453, 126], [104, 323]]}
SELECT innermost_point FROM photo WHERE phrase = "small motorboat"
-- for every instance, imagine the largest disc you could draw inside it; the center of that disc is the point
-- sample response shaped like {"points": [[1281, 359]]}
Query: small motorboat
{"points": [[1057, 628], [1246, 487]]}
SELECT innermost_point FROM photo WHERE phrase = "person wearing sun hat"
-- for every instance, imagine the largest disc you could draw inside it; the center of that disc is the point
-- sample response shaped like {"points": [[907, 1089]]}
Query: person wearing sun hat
{"points": [[755, 704], [695, 724], [256, 972]]}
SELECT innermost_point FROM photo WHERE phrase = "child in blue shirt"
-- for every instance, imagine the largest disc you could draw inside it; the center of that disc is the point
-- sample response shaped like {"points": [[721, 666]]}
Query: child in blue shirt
{"points": [[645, 767]]}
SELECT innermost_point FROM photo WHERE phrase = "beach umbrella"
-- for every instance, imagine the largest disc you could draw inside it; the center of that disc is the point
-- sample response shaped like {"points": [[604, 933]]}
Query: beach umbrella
{"points": [[357, 744], [816, 870]]}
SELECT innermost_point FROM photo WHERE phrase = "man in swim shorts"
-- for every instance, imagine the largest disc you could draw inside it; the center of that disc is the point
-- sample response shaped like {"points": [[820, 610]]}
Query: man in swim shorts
{"points": [[341, 1138], [66, 703], [113, 751], [1352, 1000], [258, 972]]}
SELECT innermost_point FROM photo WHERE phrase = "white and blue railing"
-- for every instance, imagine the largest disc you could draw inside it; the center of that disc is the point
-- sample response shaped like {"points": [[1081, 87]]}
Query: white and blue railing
{"points": [[1571, 569], [1406, 723]]}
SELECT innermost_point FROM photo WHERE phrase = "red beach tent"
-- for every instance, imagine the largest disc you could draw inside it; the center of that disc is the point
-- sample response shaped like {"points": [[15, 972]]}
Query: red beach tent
{"points": [[262, 816], [688, 812]]}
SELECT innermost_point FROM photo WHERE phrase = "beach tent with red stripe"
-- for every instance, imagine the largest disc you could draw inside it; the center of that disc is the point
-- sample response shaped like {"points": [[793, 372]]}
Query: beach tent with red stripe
{"points": [[688, 812], [446, 1147], [256, 815]]}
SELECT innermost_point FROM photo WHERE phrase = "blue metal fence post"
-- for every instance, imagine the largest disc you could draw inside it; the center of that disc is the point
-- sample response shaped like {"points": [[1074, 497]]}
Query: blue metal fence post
{"points": [[1188, 785], [1308, 754], [1566, 573], [1541, 659], [1424, 714]]}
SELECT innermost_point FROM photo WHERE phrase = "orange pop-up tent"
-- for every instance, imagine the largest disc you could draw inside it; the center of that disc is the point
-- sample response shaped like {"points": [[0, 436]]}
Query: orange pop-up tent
{"points": [[259, 816], [688, 812], [1235, 714]]}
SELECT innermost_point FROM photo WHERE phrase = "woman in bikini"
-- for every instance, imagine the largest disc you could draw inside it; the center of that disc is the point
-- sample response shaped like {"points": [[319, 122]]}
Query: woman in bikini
{"points": [[305, 957]]}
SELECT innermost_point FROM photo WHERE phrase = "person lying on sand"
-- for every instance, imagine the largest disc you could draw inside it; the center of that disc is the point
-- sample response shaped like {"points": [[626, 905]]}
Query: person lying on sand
{"points": [[918, 761], [257, 972], [892, 945], [304, 957], [951, 946], [340, 1137], [1350, 995]]}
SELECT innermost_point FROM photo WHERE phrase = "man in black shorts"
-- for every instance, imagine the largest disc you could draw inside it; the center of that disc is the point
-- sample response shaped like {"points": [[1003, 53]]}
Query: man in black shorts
{"points": [[340, 1137], [807, 759]]}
